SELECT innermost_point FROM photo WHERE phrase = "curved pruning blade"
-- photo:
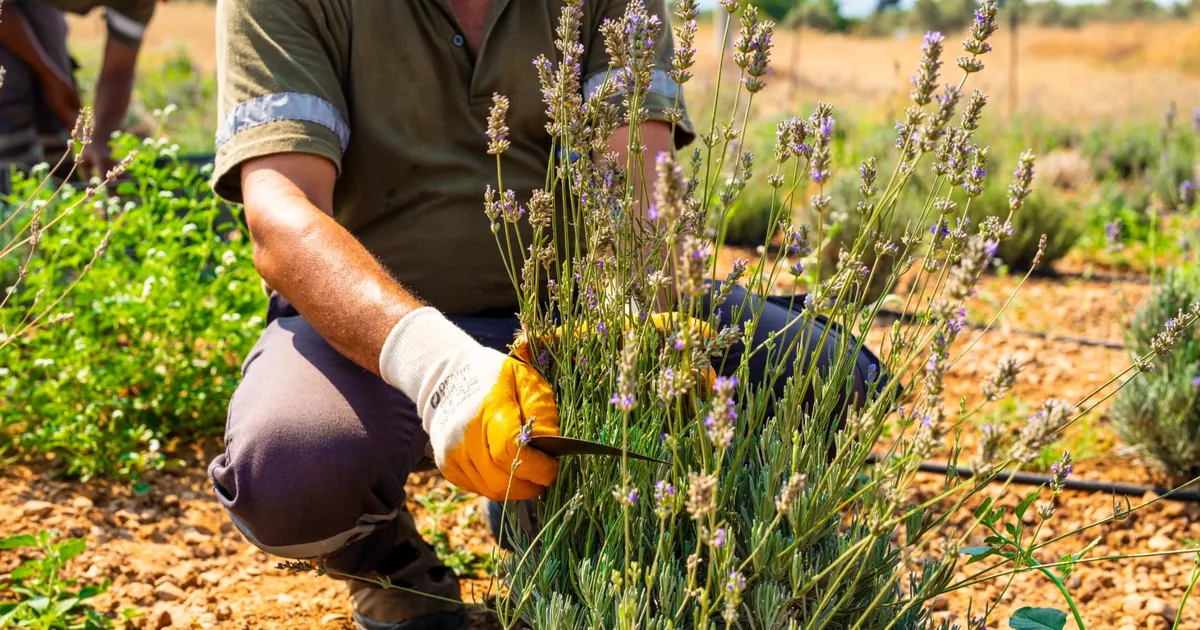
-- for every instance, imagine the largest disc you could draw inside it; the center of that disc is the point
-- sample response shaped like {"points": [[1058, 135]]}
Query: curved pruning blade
{"points": [[558, 446]]}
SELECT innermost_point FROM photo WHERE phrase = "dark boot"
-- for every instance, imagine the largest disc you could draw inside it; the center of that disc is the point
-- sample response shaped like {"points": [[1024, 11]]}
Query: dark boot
{"points": [[433, 601]]}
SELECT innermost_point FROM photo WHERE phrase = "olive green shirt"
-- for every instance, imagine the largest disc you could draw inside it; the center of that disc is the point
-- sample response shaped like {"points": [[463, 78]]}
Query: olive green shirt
{"points": [[390, 92], [126, 19]]}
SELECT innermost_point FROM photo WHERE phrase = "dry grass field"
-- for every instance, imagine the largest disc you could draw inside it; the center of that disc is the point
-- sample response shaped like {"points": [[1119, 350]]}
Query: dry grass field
{"points": [[1103, 71], [172, 553]]}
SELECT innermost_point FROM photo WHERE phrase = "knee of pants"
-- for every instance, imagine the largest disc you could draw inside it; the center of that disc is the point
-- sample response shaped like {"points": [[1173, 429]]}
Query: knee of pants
{"points": [[299, 489]]}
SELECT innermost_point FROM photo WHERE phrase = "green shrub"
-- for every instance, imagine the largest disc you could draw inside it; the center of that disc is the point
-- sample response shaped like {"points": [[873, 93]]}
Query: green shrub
{"points": [[1159, 413], [159, 325], [44, 598], [1048, 213], [1120, 152]]}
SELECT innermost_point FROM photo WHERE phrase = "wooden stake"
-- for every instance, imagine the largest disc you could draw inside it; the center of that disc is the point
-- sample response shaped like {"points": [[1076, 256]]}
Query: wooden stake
{"points": [[1013, 55]]}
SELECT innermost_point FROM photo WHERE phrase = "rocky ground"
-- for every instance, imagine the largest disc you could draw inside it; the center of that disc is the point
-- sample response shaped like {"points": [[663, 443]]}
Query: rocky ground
{"points": [[172, 554]]}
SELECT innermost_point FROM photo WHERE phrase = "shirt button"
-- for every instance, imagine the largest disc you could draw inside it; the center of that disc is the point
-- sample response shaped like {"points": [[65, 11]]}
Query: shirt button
{"points": [[458, 40]]}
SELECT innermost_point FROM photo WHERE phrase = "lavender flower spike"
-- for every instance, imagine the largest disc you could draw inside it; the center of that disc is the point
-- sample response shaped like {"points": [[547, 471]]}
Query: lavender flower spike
{"points": [[926, 78]]}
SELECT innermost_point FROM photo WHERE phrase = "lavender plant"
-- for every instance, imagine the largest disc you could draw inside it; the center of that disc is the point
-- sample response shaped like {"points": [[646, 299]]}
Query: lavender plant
{"points": [[24, 224], [1159, 414], [768, 514]]}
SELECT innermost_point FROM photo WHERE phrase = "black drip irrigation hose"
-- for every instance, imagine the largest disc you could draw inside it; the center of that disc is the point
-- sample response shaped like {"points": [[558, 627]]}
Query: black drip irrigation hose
{"points": [[1044, 273], [909, 318], [1083, 485], [1130, 278]]}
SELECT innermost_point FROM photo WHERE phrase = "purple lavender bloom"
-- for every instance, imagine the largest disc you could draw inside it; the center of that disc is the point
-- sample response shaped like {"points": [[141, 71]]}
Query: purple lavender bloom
{"points": [[622, 402], [679, 345], [1196, 381], [719, 538], [736, 582], [525, 433], [602, 328], [1113, 232]]}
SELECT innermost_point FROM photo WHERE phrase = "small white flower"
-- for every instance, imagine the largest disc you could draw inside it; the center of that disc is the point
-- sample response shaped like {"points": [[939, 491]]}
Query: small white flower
{"points": [[228, 258], [3, 370], [129, 205], [43, 362], [166, 194], [117, 414], [169, 109]]}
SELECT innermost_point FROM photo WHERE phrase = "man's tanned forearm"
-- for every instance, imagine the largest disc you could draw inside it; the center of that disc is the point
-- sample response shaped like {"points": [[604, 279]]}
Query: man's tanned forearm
{"points": [[656, 138], [301, 252], [113, 88]]}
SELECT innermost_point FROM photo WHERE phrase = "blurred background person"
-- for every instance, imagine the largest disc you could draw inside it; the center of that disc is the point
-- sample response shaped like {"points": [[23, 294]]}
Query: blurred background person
{"points": [[39, 97]]}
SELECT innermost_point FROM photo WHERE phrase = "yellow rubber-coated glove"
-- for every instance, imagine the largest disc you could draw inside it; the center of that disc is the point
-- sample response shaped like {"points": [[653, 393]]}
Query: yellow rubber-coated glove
{"points": [[474, 403], [663, 322]]}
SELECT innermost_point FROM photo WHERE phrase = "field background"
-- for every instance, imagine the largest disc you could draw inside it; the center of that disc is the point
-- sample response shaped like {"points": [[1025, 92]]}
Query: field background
{"points": [[172, 553], [1102, 71]]}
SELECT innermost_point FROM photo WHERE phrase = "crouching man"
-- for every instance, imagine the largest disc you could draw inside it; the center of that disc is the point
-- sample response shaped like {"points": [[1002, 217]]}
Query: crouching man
{"points": [[354, 133]]}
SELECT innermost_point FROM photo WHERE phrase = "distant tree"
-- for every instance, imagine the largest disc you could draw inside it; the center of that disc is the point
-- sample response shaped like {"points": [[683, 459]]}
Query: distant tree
{"points": [[774, 9], [1121, 10], [822, 15], [942, 15]]}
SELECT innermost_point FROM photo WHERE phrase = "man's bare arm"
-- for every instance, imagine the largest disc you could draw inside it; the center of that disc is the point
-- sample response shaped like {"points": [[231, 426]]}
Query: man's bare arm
{"points": [[656, 138], [474, 402], [331, 279], [18, 37], [113, 88]]}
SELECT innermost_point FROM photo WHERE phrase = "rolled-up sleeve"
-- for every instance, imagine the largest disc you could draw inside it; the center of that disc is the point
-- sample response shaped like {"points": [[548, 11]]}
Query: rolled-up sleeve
{"points": [[127, 20], [280, 65], [664, 93]]}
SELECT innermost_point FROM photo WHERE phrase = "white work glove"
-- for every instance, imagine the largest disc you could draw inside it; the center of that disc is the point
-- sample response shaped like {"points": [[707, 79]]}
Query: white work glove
{"points": [[473, 402]]}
